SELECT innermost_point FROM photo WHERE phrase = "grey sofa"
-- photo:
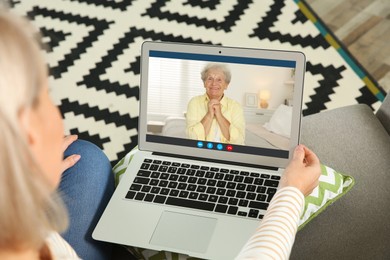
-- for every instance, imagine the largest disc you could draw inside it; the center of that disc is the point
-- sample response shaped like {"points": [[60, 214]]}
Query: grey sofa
{"points": [[355, 141]]}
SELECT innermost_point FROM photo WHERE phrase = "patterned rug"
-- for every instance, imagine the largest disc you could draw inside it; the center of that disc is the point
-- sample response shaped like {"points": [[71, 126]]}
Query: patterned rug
{"points": [[94, 54]]}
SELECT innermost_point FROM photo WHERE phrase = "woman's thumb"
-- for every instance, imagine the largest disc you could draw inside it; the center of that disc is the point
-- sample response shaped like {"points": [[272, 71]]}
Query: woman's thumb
{"points": [[299, 153]]}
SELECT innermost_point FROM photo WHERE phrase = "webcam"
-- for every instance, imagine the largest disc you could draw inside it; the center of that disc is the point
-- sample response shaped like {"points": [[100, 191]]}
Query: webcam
{"points": [[219, 51]]}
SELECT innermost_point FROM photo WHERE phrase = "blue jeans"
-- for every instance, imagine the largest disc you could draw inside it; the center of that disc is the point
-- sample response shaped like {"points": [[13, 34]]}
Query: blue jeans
{"points": [[86, 189]]}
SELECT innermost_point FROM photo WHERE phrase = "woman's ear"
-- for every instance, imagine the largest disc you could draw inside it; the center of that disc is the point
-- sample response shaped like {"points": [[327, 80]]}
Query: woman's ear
{"points": [[28, 124]]}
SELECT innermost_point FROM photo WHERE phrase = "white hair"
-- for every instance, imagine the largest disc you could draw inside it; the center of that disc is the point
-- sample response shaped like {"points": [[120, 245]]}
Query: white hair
{"points": [[29, 208], [223, 67]]}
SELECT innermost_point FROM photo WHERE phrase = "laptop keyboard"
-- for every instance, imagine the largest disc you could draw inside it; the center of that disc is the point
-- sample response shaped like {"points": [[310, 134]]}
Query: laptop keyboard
{"points": [[220, 190]]}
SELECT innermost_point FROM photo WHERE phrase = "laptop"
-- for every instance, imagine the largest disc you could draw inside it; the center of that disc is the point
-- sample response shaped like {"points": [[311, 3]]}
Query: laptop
{"points": [[198, 195]]}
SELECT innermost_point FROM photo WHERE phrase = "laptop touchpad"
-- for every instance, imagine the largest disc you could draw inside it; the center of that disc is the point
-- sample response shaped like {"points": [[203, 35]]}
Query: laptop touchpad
{"points": [[184, 231]]}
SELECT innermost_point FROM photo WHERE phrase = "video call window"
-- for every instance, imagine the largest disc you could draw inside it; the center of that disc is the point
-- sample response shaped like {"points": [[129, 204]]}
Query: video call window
{"points": [[256, 102]]}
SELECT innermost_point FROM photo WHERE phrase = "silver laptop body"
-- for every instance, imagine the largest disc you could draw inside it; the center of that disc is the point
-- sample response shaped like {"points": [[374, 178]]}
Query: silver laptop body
{"points": [[170, 77]]}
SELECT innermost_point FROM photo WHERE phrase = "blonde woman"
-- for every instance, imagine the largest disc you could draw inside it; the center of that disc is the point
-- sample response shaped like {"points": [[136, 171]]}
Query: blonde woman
{"points": [[32, 166]]}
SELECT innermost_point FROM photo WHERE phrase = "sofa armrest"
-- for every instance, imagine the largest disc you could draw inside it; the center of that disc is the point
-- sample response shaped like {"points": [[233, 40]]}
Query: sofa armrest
{"points": [[383, 114], [353, 141]]}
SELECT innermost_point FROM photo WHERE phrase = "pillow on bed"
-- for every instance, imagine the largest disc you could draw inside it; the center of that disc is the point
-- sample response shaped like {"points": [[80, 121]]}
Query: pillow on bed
{"points": [[280, 122], [333, 185]]}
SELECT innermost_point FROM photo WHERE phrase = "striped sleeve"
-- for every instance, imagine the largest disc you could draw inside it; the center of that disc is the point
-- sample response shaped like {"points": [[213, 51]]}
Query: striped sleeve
{"points": [[275, 235]]}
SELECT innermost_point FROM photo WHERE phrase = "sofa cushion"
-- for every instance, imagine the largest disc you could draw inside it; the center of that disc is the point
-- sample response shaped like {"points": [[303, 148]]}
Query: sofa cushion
{"points": [[351, 140]]}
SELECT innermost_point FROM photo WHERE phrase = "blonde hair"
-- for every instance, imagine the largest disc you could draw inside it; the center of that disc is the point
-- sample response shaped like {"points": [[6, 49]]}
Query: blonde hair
{"points": [[29, 209]]}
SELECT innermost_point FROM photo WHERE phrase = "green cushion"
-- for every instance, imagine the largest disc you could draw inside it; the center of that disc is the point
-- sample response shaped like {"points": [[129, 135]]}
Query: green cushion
{"points": [[333, 185]]}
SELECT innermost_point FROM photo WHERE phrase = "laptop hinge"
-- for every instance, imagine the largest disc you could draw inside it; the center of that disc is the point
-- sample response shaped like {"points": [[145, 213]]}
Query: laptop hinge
{"points": [[217, 161]]}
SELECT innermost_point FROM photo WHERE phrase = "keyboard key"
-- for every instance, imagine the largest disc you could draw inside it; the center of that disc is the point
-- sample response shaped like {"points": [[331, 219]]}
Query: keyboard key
{"points": [[258, 181], [223, 200], [173, 177], [251, 188], [221, 208], [135, 187], [253, 213], [228, 177], [261, 189], [163, 183], [203, 197], [145, 166], [185, 165], [232, 210], [251, 196], [190, 172], [164, 176], [149, 197], [234, 172], [183, 178], [233, 201], [157, 162], [202, 181], [195, 204], [146, 188], [241, 186], [159, 199], [258, 205], [192, 180], [155, 175], [238, 178], [172, 169], [200, 173], [166, 163], [182, 186], [261, 216], [211, 182], [193, 195], [148, 160], [139, 196], [261, 197], [244, 173], [153, 182], [201, 188], [154, 167], [248, 180], [155, 190], [213, 198], [265, 176], [183, 194], [195, 166], [255, 174], [181, 171], [205, 168], [231, 185], [191, 187], [164, 191], [174, 193], [242, 213], [211, 190], [221, 192], [275, 177], [143, 173], [221, 184], [209, 175], [163, 168], [214, 169], [141, 180], [130, 195], [271, 183], [224, 170], [175, 164], [219, 176], [230, 193], [241, 194], [172, 185], [243, 203]]}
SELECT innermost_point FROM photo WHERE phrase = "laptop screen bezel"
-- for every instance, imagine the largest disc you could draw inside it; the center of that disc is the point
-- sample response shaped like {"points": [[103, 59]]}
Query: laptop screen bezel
{"points": [[297, 57]]}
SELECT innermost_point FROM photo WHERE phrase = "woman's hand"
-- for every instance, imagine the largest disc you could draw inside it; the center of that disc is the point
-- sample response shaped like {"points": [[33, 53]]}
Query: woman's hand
{"points": [[303, 172], [72, 159]]}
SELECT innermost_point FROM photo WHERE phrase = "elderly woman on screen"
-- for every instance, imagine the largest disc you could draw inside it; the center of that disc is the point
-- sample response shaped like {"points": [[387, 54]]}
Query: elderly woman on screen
{"points": [[213, 116]]}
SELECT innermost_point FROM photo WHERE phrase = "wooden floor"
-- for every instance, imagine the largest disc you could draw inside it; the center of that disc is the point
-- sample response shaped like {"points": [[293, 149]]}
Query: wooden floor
{"points": [[364, 28]]}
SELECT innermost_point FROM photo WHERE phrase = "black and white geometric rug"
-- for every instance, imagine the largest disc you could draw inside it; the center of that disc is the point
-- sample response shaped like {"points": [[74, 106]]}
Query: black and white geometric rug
{"points": [[94, 54]]}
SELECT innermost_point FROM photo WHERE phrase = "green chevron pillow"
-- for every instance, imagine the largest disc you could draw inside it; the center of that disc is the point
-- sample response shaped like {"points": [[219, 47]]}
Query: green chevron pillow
{"points": [[333, 185]]}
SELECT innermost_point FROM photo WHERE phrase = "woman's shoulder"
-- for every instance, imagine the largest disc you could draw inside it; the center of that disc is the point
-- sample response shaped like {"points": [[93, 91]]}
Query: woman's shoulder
{"points": [[59, 248]]}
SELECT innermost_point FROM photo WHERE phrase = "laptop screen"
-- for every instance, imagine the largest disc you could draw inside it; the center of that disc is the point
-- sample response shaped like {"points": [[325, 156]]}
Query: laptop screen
{"points": [[230, 104]]}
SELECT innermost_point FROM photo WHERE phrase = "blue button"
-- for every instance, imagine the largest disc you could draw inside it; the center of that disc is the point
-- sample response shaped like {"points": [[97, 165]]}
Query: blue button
{"points": [[219, 146], [210, 145], [200, 144]]}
